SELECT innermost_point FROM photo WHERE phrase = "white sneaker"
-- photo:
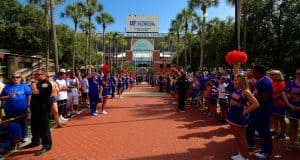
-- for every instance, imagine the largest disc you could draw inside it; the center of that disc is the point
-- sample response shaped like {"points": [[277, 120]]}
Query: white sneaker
{"points": [[94, 114], [240, 158], [96, 111], [261, 155], [25, 139], [62, 119], [103, 112], [235, 156]]}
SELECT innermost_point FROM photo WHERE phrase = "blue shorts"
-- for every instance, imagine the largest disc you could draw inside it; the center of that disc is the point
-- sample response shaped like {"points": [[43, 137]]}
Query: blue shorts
{"points": [[53, 100], [235, 116], [278, 110]]}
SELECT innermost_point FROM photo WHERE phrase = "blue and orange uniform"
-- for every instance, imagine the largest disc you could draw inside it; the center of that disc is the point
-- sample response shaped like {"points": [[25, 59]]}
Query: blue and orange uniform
{"points": [[235, 112], [294, 98]]}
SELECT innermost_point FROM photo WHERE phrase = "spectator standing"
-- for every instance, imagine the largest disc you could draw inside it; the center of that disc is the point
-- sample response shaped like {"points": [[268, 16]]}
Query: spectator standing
{"points": [[17, 97], [279, 105], [40, 112], [237, 114], [94, 93], [292, 99], [182, 87], [62, 96], [260, 118]]}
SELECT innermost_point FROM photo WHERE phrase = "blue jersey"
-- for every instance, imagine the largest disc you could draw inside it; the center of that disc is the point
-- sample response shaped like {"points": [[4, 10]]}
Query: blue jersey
{"points": [[17, 104], [264, 86], [94, 83]]}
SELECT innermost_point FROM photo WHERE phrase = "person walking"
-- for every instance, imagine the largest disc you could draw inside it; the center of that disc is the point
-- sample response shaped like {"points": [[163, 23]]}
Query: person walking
{"points": [[40, 110]]}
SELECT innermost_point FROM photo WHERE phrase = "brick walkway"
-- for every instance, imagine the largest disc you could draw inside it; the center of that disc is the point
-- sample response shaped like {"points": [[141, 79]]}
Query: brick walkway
{"points": [[142, 128]]}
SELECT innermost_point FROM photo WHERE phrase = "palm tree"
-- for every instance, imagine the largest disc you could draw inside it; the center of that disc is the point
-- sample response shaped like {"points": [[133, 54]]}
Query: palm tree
{"points": [[45, 6], [109, 36], [186, 16], [76, 12], [163, 46], [203, 5], [242, 6], [175, 29], [104, 19], [91, 7], [49, 4], [85, 26], [123, 43]]}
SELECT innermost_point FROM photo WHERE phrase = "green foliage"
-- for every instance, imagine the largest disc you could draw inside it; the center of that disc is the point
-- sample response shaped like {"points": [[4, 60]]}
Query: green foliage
{"points": [[22, 28]]}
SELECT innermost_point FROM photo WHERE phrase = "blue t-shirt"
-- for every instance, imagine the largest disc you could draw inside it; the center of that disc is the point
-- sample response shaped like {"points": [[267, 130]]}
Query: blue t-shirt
{"points": [[264, 86], [93, 87], [17, 104]]}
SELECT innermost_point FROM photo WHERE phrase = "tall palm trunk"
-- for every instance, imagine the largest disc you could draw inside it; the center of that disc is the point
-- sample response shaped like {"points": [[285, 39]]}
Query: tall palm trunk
{"points": [[110, 53], [245, 10], [185, 46], [238, 23], [103, 43], [47, 36], [202, 41], [74, 46], [190, 53], [87, 50], [54, 39], [89, 41], [177, 50]]}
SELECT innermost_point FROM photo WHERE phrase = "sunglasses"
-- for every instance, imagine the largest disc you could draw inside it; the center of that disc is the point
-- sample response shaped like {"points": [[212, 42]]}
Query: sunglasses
{"points": [[15, 77], [37, 74]]}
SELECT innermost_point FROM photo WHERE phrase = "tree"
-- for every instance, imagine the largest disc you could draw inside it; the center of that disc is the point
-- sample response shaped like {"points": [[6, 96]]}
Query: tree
{"points": [[46, 5], [175, 29], [76, 12], [203, 5], [186, 17], [91, 7], [22, 28], [85, 27], [104, 19], [243, 6]]}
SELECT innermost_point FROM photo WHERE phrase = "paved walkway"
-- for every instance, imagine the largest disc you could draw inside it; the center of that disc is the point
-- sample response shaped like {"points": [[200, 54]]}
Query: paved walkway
{"points": [[142, 128]]}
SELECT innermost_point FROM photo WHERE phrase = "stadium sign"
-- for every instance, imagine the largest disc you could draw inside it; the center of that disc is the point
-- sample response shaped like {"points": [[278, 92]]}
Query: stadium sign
{"points": [[141, 23]]}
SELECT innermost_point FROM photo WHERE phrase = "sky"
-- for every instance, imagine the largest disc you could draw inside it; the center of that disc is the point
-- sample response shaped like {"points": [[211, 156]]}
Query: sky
{"points": [[166, 10]]}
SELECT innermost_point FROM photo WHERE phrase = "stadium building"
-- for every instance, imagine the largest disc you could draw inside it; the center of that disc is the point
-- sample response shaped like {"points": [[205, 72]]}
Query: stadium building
{"points": [[144, 40]]}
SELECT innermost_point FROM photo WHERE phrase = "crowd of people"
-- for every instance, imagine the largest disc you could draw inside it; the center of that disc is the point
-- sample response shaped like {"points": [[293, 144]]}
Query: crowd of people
{"points": [[254, 103], [60, 96]]}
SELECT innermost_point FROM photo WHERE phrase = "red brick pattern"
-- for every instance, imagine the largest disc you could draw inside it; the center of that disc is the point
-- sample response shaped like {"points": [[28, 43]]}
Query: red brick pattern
{"points": [[142, 128]]}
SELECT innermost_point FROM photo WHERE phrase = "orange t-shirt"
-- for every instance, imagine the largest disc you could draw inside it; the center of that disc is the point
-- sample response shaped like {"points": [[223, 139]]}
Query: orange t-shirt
{"points": [[278, 88]]}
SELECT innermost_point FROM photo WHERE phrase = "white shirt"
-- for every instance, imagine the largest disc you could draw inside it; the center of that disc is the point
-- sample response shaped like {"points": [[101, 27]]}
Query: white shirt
{"points": [[62, 95], [85, 85], [222, 90]]}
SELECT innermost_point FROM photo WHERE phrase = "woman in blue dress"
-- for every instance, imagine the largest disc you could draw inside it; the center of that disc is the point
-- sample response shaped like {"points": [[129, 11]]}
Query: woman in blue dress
{"points": [[237, 114]]}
